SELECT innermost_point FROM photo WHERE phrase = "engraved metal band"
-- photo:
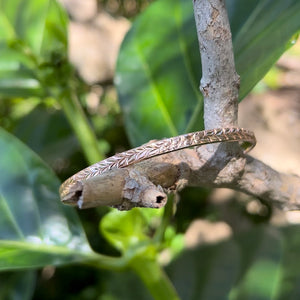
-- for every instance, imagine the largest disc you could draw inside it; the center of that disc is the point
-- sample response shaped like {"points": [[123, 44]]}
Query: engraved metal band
{"points": [[124, 159]]}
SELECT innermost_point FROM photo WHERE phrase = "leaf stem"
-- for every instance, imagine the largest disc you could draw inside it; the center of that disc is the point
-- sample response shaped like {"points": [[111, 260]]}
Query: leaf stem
{"points": [[165, 221], [81, 127], [106, 262], [154, 278]]}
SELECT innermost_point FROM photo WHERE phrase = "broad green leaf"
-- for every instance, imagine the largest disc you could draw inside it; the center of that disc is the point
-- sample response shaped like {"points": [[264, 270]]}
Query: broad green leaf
{"points": [[197, 273], [52, 136], [119, 286], [243, 267], [263, 37], [261, 251], [35, 228], [288, 285], [159, 68], [158, 73], [260, 281], [17, 285]]}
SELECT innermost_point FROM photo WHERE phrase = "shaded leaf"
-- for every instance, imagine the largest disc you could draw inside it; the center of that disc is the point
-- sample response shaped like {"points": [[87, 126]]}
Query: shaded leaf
{"points": [[217, 271], [119, 286], [17, 285], [288, 284], [261, 251], [16, 77], [52, 136], [35, 228]]}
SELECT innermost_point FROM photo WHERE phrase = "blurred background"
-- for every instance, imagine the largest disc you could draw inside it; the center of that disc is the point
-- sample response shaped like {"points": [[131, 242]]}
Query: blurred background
{"points": [[95, 32]]}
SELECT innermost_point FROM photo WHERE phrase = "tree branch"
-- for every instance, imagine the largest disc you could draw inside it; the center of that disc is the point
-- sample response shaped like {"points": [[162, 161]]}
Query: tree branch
{"points": [[261, 181], [220, 82], [224, 165]]}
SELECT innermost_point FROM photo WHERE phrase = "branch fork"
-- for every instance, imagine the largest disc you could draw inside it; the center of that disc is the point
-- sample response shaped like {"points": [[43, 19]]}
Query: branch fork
{"points": [[147, 183]]}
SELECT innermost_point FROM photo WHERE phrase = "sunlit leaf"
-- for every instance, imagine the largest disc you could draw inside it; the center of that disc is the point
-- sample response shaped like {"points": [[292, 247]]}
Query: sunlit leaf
{"points": [[124, 229], [33, 23]]}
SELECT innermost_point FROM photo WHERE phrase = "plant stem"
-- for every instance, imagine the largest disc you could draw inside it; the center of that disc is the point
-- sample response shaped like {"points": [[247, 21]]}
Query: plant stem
{"points": [[154, 278], [165, 221], [81, 127], [106, 262]]}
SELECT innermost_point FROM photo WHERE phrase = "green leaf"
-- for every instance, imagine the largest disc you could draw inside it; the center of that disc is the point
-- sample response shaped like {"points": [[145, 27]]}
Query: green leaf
{"points": [[124, 229], [119, 286], [55, 34], [17, 285], [35, 228], [126, 232], [158, 73], [243, 267], [32, 33], [159, 68], [261, 38], [52, 136], [261, 251], [288, 285], [16, 77], [260, 281], [33, 22]]}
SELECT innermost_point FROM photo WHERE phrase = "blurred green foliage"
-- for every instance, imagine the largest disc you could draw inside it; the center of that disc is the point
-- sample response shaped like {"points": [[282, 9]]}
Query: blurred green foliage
{"points": [[44, 107]]}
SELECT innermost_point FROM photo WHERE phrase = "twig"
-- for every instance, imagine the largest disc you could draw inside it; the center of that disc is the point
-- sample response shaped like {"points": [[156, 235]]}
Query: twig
{"points": [[220, 82], [120, 188]]}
